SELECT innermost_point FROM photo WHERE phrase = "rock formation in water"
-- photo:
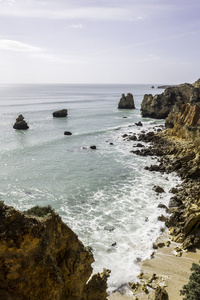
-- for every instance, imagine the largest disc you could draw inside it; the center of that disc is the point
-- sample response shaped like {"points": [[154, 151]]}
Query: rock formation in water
{"points": [[60, 113], [67, 133], [171, 100], [126, 102], [42, 258], [20, 123]]}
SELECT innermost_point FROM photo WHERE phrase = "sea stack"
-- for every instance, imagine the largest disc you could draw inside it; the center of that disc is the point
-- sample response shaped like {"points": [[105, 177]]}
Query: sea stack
{"points": [[20, 123], [60, 113], [126, 102]]}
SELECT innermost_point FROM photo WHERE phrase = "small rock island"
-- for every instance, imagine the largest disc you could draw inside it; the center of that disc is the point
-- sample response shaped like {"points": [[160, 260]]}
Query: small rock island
{"points": [[60, 113], [20, 123], [126, 102]]}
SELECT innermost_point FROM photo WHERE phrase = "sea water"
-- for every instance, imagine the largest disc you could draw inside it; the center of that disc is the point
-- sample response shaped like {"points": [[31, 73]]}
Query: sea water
{"points": [[104, 195]]}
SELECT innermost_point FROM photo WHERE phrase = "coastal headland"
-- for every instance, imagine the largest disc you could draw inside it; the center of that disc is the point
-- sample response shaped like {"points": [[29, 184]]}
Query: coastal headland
{"points": [[41, 258]]}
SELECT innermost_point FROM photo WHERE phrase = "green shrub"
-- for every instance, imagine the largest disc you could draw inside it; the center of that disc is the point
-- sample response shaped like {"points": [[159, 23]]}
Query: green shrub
{"points": [[39, 211], [192, 289]]}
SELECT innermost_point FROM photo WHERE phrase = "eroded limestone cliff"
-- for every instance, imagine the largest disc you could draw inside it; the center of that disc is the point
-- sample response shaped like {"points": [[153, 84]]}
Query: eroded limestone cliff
{"points": [[42, 258], [178, 150], [170, 100]]}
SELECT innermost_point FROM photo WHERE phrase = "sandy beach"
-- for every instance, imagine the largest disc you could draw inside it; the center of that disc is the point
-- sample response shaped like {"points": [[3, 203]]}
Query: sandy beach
{"points": [[172, 272]]}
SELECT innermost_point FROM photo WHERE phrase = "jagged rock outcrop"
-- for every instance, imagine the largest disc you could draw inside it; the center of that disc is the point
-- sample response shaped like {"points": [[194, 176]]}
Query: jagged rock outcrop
{"points": [[170, 100], [60, 113], [126, 102], [160, 294], [42, 258], [187, 122], [179, 151], [20, 123]]}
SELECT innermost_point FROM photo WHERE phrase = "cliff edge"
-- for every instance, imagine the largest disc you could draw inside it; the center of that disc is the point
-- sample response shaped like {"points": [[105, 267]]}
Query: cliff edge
{"points": [[171, 100], [42, 258]]}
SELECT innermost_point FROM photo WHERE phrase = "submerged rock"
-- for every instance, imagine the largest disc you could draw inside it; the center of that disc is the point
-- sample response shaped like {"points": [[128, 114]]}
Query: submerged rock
{"points": [[42, 258], [60, 113], [126, 102], [20, 123]]}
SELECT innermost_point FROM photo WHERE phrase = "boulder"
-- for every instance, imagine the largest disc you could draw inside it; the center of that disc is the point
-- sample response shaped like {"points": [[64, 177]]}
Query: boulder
{"points": [[139, 123], [67, 133], [42, 258], [161, 294], [126, 102], [158, 189], [93, 147], [60, 113], [159, 106], [20, 123]]}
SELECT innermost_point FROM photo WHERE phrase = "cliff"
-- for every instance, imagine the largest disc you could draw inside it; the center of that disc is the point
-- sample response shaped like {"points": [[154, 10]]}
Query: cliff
{"points": [[178, 149], [42, 258], [170, 100]]}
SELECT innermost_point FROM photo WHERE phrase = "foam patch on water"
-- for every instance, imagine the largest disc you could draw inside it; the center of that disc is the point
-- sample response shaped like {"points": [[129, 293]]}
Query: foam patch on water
{"points": [[120, 221]]}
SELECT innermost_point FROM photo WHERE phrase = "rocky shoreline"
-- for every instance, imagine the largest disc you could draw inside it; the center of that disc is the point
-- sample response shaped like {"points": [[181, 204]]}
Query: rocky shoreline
{"points": [[182, 236], [177, 149], [38, 243]]}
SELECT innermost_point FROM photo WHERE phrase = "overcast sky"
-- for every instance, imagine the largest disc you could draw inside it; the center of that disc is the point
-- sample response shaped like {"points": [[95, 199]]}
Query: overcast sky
{"points": [[99, 41]]}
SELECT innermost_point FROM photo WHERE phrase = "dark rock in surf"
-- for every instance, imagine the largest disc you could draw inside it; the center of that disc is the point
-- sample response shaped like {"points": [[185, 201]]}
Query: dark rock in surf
{"points": [[158, 189], [139, 123], [20, 123], [93, 147], [60, 113], [109, 228], [139, 145], [126, 102], [67, 133]]}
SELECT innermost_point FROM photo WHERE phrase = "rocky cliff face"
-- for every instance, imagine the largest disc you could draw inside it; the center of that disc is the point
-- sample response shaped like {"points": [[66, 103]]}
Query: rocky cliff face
{"points": [[42, 258], [170, 100], [178, 149], [187, 122]]}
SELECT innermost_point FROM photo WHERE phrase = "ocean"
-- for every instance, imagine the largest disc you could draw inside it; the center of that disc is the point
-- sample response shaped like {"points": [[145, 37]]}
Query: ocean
{"points": [[105, 195]]}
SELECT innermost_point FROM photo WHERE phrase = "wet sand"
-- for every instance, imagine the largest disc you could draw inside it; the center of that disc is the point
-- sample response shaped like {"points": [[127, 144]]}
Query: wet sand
{"points": [[172, 272]]}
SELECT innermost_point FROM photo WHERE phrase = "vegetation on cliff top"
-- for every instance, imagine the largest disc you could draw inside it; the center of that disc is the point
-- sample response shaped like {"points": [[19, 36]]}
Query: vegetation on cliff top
{"points": [[192, 289]]}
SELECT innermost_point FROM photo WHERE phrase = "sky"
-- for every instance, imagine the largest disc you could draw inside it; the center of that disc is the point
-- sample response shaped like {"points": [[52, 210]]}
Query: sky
{"points": [[99, 41]]}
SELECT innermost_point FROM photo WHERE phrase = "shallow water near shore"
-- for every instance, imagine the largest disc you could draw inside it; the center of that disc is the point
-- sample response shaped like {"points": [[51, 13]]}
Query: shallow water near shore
{"points": [[104, 195]]}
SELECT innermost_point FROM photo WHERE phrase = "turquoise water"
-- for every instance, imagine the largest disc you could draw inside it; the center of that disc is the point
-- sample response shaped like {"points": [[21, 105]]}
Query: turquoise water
{"points": [[104, 195]]}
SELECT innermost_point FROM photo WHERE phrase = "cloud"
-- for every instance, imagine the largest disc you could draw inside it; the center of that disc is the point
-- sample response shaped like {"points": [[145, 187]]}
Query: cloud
{"points": [[17, 46], [58, 59], [7, 2], [76, 26], [65, 12], [36, 52]]}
